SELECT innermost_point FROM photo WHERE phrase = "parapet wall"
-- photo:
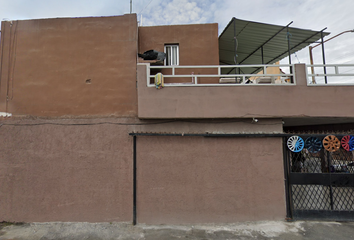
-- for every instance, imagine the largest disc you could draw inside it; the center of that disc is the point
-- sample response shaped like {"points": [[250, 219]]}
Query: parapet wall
{"points": [[243, 101]]}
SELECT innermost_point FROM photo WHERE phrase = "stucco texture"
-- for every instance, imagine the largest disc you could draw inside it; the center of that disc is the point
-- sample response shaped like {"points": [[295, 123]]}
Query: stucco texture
{"points": [[244, 100], [198, 45], [81, 170], [198, 179], [56, 171], [69, 66]]}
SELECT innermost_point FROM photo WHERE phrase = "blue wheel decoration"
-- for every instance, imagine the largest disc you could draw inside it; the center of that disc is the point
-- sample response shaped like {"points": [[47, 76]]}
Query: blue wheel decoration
{"points": [[295, 143], [351, 143], [313, 144]]}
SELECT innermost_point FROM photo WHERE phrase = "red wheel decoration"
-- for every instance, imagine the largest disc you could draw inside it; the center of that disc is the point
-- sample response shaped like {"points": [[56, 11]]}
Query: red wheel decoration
{"points": [[331, 143], [348, 143]]}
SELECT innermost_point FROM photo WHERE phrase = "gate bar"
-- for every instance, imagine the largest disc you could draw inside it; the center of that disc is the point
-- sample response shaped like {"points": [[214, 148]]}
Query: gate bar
{"points": [[287, 183], [134, 180], [330, 180]]}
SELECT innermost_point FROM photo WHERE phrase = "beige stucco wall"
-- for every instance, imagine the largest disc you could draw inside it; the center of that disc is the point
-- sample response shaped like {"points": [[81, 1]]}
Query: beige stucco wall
{"points": [[244, 101], [69, 66]]}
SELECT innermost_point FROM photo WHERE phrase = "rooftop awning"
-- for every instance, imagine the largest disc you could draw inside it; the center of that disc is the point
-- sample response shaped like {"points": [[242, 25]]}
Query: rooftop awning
{"points": [[261, 43]]}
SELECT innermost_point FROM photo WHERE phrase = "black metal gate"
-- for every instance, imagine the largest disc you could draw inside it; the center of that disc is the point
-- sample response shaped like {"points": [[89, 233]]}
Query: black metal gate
{"points": [[320, 180]]}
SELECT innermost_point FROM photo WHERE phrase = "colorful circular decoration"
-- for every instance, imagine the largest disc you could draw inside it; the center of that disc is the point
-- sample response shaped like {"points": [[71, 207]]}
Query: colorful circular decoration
{"points": [[331, 143], [348, 143], [313, 144], [295, 143]]}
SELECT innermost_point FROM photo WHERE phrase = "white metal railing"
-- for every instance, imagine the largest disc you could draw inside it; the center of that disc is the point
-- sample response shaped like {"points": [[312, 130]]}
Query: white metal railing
{"points": [[243, 78], [330, 74]]}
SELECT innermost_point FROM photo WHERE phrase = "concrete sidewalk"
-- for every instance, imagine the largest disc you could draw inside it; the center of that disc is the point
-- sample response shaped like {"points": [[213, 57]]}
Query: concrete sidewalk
{"points": [[246, 230]]}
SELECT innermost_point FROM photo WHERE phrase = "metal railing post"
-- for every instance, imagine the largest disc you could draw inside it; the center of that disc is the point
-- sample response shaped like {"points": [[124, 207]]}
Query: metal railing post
{"points": [[312, 68], [323, 57], [322, 42]]}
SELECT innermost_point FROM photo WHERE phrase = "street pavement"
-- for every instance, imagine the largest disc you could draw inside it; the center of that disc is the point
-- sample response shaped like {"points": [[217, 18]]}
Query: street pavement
{"points": [[124, 231]]}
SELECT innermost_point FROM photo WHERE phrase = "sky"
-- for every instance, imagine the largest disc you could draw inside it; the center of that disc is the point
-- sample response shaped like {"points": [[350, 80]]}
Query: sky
{"points": [[336, 15]]}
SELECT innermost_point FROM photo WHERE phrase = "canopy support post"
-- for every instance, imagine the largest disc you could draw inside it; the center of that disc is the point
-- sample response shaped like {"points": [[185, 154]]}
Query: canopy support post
{"points": [[289, 52], [323, 57], [235, 53], [288, 38]]}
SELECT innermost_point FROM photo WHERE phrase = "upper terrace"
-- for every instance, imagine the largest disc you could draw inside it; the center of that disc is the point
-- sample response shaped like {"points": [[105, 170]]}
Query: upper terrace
{"points": [[298, 101], [248, 84]]}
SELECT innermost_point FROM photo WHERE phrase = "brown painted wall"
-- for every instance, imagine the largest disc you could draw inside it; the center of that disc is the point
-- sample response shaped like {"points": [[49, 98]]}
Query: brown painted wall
{"points": [[81, 170], [47, 62], [198, 45], [57, 169], [208, 180], [244, 101], [65, 172]]}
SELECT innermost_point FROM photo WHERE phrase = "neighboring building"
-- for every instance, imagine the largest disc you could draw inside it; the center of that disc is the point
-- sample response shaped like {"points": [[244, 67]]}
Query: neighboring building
{"points": [[91, 139]]}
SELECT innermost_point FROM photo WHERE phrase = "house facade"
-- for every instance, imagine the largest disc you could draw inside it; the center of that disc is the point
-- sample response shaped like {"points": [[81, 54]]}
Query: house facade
{"points": [[87, 137]]}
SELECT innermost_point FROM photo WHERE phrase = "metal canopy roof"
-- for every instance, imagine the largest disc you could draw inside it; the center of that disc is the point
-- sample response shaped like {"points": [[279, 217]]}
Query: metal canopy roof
{"points": [[261, 43]]}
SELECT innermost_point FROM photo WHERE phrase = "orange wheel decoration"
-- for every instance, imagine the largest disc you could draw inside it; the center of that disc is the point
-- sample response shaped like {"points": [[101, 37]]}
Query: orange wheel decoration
{"points": [[331, 143]]}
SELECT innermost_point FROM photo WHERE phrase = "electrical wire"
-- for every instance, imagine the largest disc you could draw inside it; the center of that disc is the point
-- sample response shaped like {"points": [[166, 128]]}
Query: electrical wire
{"points": [[81, 124], [288, 38], [137, 124], [144, 7]]}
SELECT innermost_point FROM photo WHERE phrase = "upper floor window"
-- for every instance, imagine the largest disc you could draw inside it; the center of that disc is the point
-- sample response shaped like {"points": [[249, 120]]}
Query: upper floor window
{"points": [[172, 54]]}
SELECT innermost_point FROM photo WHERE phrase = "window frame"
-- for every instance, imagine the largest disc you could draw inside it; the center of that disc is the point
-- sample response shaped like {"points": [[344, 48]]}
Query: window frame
{"points": [[170, 57]]}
